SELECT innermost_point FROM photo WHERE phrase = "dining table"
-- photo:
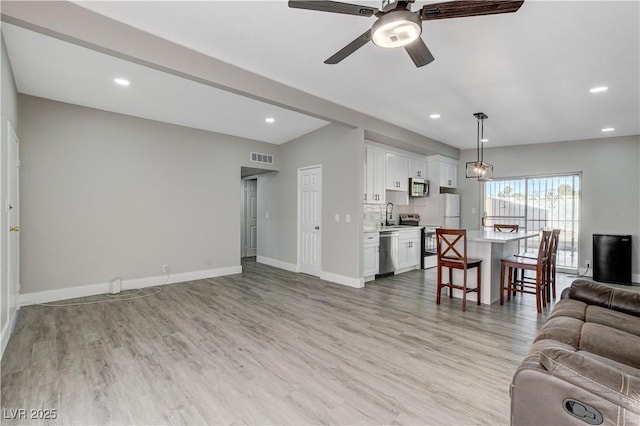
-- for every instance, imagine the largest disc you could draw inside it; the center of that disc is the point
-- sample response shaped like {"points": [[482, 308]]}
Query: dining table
{"points": [[491, 246]]}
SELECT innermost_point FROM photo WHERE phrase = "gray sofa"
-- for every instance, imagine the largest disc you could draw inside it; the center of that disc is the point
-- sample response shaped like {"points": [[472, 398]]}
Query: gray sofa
{"points": [[584, 365]]}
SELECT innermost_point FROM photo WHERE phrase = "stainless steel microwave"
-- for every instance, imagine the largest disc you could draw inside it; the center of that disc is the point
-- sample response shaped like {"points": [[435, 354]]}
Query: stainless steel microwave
{"points": [[418, 187]]}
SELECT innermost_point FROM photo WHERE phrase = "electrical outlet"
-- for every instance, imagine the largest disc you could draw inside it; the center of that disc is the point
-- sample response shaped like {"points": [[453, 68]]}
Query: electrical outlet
{"points": [[587, 263], [165, 268]]}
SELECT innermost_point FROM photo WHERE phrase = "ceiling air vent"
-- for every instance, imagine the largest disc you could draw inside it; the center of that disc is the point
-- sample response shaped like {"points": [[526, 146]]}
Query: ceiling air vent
{"points": [[261, 158]]}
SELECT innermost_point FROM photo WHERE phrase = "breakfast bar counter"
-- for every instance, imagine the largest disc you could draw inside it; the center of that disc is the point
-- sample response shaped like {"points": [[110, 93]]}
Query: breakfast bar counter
{"points": [[491, 246]]}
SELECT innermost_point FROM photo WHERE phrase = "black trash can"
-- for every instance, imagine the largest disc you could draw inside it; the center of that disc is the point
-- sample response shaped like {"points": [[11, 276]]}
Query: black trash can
{"points": [[612, 258]]}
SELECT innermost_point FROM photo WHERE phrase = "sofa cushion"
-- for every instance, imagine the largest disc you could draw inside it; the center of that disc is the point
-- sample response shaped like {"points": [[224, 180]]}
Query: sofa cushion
{"points": [[614, 319], [609, 380], [611, 343], [594, 293], [569, 308], [563, 329]]}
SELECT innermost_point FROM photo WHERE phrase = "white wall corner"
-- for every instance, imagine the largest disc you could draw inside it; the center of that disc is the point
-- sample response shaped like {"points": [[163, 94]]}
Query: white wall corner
{"points": [[278, 264], [342, 279], [94, 289]]}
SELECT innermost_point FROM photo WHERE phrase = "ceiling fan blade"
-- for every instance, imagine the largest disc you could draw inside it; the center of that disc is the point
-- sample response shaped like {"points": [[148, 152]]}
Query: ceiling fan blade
{"points": [[349, 48], [335, 7], [419, 53], [459, 9]]}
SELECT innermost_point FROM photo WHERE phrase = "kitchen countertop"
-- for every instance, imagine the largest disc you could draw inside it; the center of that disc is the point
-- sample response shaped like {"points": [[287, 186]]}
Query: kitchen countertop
{"points": [[499, 237], [392, 228]]}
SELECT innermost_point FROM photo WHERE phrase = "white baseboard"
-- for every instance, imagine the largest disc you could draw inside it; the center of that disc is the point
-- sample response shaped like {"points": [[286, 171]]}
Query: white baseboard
{"points": [[93, 289], [635, 278], [327, 276], [342, 279], [6, 332], [277, 264]]}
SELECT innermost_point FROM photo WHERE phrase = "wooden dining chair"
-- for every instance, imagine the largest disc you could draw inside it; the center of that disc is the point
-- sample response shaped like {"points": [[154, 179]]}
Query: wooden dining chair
{"points": [[451, 246], [537, 285], [502, 227]]}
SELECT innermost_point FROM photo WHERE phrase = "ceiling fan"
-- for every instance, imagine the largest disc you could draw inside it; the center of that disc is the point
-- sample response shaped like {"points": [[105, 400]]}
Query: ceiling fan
{"points": [[398, 26]]}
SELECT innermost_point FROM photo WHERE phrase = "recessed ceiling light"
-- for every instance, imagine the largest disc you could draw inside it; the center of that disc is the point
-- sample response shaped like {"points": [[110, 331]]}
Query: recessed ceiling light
{"points": [[434, 116], [270, 120], [484, 140], [608, 129], [121, 81], [599, 89]]}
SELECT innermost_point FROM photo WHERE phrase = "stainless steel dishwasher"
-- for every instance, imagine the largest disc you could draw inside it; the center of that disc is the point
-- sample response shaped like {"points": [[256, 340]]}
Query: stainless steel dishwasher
{"points": [[388, 252]]}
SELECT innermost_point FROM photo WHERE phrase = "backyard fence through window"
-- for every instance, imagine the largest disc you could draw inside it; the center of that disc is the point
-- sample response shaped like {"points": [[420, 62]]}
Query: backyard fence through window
{"points": [[535, 203]]}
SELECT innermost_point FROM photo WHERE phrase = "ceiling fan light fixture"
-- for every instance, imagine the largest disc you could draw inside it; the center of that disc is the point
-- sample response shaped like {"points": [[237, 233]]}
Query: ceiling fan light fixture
{"points": [[396, 29]]}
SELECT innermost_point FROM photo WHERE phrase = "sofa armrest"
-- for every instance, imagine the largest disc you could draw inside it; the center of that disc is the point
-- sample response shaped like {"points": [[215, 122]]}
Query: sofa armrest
{"points": [[593, 293], [616, 383]]}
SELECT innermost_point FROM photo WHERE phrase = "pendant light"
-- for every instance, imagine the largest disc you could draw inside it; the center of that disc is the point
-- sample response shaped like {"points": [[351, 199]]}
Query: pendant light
{"points": [[479, 169]]}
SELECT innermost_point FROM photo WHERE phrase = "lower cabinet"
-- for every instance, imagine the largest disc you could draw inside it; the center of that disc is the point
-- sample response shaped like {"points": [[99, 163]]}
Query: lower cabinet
{"points": [[370, 255], [408, 250]]}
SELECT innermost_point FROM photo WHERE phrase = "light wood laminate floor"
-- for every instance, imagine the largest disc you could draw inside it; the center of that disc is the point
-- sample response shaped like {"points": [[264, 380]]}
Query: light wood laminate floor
{"points": [[271, 347]]}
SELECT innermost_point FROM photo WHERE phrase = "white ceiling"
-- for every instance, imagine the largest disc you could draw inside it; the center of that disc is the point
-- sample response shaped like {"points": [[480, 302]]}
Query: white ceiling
{"points": [[530, 72], [54, 69]]}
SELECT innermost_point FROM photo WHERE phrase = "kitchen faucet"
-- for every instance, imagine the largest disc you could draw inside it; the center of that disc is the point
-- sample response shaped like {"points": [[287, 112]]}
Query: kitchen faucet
{"points": [[389, 214]]}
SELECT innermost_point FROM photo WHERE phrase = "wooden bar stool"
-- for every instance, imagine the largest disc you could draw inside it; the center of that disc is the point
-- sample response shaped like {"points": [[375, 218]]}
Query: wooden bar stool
{"points": [[552, 259], [451, 247], [538, 285]]}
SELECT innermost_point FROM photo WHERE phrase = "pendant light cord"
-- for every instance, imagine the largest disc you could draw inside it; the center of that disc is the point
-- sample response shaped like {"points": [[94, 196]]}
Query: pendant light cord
{"points": [[481, 137]]}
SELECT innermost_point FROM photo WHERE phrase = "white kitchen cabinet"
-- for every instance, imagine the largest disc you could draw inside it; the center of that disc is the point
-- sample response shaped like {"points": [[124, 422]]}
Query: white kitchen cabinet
{"points": [[443, 171], [408, 250], [370, 255], [417, 168], [448, 175], [375, 171], [397, 170]]}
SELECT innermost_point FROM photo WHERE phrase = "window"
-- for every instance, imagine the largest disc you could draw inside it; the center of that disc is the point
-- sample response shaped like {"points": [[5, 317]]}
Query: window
{"points": [[535, 203]]}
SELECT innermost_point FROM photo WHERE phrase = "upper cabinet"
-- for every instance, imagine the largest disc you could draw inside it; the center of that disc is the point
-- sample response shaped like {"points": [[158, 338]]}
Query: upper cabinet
{"points": [[390, 170], [443, 170], [397, 169], [374, 176], [417, 168], [448, 175]]}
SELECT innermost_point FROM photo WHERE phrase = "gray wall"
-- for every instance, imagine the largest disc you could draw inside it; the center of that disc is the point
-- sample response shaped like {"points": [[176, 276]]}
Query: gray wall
{"points": [[9, 112], [610, 183], [340, 152], [106, 195]]}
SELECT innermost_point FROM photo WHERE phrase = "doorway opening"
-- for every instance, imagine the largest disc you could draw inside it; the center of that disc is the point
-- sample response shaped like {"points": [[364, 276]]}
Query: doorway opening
{"points": [[249, 178], [250, 218]]}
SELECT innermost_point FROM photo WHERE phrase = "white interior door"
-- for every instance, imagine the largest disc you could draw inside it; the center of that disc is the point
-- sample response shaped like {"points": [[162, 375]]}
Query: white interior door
{"points": [[251, 211], [310, 213], [13, 220]]}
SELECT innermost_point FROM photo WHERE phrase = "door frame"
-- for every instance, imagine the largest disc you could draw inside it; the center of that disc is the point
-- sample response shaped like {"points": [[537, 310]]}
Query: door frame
{"points": [[245, 221], [13, 289], [299, 219]]}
